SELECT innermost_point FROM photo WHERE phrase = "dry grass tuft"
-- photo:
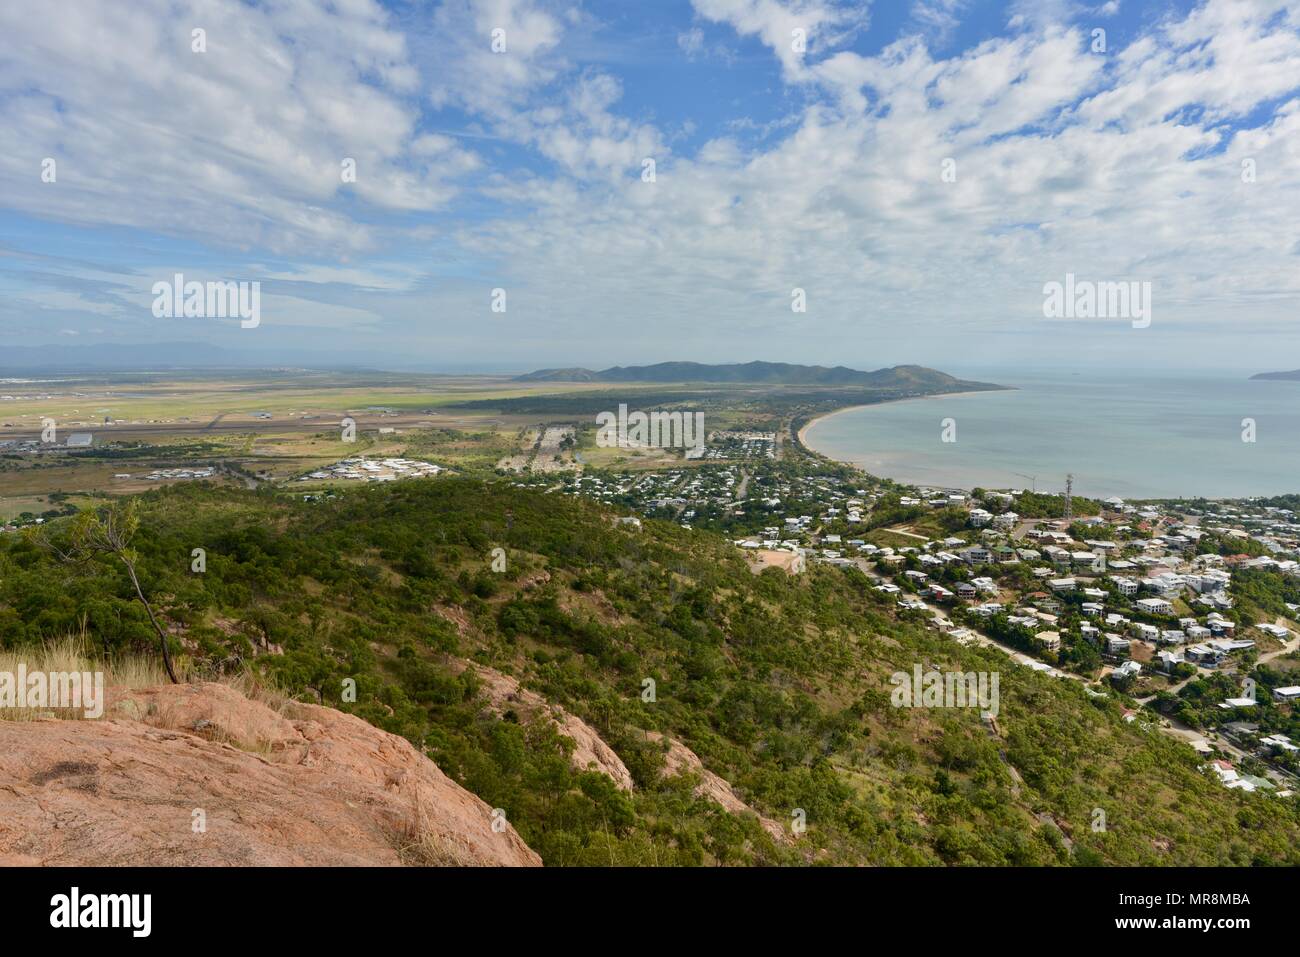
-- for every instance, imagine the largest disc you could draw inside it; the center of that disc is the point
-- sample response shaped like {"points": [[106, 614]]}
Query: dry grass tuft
{"points": [[126, 673], [418, 845], [67, 655]]}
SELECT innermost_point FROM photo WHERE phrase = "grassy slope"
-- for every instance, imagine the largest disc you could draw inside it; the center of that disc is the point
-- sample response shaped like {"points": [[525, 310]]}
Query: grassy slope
{"points": [[780, 685]]}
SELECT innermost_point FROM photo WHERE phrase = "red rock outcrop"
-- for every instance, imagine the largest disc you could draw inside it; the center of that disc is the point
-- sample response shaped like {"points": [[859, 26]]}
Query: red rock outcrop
{"points": [[680, 759], [590, 750], [299, 785]]}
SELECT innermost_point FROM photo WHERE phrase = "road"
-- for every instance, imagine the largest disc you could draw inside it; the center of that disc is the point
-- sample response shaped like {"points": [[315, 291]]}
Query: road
{"points": [[981, 638], [743, 487], [1286, 649], [1170, 726], [248, 480]]}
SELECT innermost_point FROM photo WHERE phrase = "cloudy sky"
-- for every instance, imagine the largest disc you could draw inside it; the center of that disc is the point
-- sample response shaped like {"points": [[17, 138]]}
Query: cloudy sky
{"points": [[920, 169]]}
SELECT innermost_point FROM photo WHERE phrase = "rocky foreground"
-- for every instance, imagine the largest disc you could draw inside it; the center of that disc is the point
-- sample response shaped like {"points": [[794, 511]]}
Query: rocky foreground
{"points": [[202, 775]]}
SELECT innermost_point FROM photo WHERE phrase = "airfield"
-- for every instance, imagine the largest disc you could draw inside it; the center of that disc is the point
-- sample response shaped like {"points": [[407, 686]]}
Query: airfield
{"points": [[277, 426]]}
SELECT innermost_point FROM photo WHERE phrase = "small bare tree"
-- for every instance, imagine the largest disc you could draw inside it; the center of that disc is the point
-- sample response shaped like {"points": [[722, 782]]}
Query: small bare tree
{"points": [[108, 531]]}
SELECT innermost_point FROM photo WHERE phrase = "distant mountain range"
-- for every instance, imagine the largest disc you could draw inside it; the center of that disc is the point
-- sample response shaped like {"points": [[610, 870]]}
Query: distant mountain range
{"points": [[63, 359], [1293, 375], [762, 373]]}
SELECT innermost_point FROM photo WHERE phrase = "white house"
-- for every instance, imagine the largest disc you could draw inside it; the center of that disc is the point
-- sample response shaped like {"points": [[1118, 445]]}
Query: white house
{"points": [[1144, 631], [1006, 521], [1085, 560], [1168, 660], [1206, 655], [1057, 556], [1154, 606], [1129, 669]]}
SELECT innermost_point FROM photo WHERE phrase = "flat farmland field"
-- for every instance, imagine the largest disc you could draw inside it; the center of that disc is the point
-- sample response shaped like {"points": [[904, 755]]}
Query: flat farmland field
{"points": [[154, 405], [253, 427], [148, 430]]}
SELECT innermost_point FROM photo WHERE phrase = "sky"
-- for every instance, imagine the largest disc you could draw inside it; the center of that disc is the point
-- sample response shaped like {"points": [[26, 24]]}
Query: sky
{"points": [[656, 181]]}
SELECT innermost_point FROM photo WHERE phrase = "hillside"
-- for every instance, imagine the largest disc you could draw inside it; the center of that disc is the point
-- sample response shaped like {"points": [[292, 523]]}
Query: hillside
{"points": [[769, 373], [571, 374], [306, 786], [1291, 376], [638, 696]]}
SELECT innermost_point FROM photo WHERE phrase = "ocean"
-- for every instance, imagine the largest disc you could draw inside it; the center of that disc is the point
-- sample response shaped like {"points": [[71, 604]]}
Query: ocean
{"points": [[1139, 435]]}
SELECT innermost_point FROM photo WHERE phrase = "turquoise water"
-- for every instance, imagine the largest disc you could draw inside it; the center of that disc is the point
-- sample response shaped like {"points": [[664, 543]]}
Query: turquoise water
{"points": [[1139, 436]]}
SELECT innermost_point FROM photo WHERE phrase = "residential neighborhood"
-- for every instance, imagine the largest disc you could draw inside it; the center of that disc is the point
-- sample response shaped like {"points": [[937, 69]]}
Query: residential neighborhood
{"points": [[1136, 600]]}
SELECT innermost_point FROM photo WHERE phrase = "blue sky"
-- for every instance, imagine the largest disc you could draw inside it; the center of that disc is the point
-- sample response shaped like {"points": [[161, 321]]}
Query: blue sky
{"points": [[776, 168]]}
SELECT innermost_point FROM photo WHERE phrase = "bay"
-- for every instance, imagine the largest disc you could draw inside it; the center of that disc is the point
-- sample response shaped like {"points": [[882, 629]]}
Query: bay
{"points": [[1146, 435]]}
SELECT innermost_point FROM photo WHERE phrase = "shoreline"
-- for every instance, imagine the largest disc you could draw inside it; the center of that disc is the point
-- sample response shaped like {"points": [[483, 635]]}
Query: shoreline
{"points": [[802, 434], [802, 437]]}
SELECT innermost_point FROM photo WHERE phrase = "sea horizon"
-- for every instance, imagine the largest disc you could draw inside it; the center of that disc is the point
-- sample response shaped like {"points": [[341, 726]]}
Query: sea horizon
{"points": [[1167, 434]]}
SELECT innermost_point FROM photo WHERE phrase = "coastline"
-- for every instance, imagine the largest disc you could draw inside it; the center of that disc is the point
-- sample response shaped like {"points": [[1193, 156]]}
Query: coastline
{"points": [[807, 426], [879, 458]]}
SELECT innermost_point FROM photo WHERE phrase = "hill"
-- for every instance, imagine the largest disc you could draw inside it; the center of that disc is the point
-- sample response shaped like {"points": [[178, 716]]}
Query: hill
{"points": [[765, 373], [572, 374], [638, 696], [300, 785], [1293, 375]]}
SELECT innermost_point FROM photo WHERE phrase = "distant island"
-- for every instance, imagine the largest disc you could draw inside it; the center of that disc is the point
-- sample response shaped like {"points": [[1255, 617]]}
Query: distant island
{"points": [[768, 373], [1293, 375]]}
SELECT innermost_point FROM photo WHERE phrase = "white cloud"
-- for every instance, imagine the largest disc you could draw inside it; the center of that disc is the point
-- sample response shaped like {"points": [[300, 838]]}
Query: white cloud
{"points": [[242, 144], [820, 25], [466, 71], [1114, 166], [691, 42], [852, 208]]}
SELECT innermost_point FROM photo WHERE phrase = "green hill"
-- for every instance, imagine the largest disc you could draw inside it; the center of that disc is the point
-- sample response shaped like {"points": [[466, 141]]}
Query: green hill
{"points": [[769, 373], [780, 684]]}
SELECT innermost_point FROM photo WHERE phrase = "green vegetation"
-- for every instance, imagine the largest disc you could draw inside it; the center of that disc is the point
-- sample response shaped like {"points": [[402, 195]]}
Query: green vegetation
{"points": [[779, 684], [1046, 505], [1263, 594]]}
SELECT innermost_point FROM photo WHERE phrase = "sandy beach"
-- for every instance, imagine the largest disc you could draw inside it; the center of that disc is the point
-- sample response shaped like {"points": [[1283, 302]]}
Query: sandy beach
{"points": [[808, 426]]}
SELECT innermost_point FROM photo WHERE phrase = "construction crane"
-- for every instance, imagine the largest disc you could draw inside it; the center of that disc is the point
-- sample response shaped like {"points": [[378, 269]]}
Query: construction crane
{"points": [[1032, 478]]}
